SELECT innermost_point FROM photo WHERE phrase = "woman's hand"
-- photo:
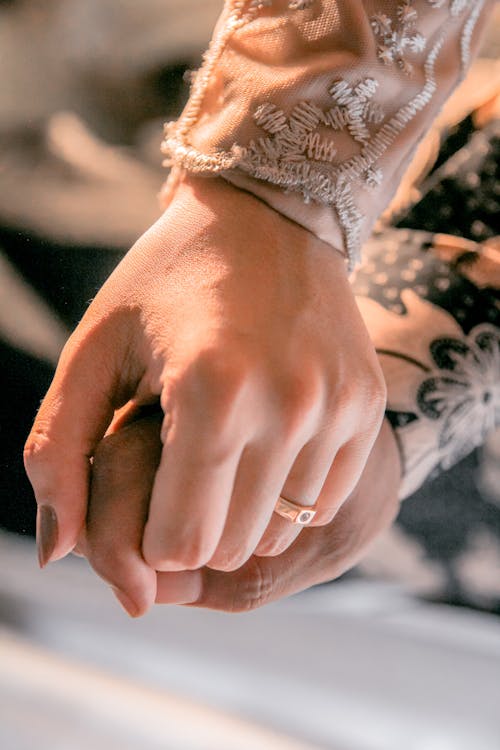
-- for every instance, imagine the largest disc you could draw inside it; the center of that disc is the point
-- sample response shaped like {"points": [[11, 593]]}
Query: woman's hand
{"points": [[244, 327], [123, 474]]}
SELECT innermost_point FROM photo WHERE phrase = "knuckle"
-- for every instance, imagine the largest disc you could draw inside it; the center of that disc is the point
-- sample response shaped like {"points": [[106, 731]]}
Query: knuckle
{"points": [[215, 380], [379, 394], [374, 380], [221, 370], [301, 391], [38, 455], [273, 547], [217, 452], [362, 396], [229, 560], [299, 398], [35, 451], [374, 400], [256, 590], [349, 395], [190, 552]]}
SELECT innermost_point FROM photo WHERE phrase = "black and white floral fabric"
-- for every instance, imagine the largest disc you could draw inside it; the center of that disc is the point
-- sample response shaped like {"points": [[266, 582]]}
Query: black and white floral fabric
{"points": [[440, 294]]}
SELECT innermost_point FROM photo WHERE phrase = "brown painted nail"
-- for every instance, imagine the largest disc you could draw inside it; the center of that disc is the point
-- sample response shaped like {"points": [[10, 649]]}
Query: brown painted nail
{"points": [[46, 533]]}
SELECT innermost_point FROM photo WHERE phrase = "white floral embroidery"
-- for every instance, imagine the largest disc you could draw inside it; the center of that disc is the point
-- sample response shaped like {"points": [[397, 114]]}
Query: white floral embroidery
{"points": [[456, 6], [296, 138], [300, 4], [292, 4], [353, 111], [464, 393], [296, 155], [396, 43], [298, 158], [354, 108]]}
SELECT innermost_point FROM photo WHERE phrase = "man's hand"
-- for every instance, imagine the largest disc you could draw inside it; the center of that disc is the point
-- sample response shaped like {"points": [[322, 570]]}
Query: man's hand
{"points": [[243, 326], [123, 473]]}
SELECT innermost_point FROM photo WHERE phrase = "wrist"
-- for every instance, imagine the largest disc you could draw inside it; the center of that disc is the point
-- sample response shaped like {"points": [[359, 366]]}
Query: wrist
{"points": [[223, 197]]}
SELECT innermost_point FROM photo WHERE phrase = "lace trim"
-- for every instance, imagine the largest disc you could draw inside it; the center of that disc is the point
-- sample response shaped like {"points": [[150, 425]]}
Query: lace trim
{"points": [[294, 155]]}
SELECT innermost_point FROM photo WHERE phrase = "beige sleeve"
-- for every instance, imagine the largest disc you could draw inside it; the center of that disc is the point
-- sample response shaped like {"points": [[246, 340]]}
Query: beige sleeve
{"points": [[316, 106]]}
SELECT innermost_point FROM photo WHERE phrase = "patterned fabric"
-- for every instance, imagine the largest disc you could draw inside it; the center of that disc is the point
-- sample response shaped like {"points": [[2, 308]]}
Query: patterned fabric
{"points": [[462, 196], [316, 106], [440, 351], [433, 311]]}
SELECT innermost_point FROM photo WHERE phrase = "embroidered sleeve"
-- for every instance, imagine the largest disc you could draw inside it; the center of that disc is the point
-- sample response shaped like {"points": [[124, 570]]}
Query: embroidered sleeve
{"points": [[316, 106]]}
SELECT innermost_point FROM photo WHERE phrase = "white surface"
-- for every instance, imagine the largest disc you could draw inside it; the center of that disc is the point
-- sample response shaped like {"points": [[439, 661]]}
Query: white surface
{"points": [[355, 666], [47, 701]]}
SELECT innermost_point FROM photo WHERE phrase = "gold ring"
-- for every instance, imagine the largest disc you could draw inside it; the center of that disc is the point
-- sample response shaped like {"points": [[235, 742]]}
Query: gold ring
{"points": [[299, 514]]}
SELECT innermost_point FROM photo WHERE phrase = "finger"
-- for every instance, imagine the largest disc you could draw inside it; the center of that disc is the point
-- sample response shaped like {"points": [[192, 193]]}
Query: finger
{"points": [[260, 581], [122, 477], [252, 525], [342, 478], [72, 419], [181, 587], [319, 554], [302, 486], [191, 493], [278, 536], [259, 479], [323, 475]]}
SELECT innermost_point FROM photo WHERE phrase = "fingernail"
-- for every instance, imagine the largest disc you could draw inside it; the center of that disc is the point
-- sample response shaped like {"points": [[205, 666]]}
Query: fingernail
{"points": [[179, 588], [128, 605], [46, 533]]}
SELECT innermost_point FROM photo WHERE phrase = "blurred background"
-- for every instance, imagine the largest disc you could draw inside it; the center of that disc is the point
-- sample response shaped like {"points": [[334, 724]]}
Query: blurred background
{"points": [[402, 653]]}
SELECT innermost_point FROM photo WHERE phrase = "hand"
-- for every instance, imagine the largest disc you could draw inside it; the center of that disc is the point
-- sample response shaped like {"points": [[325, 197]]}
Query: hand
{"points": [[123, 473], [244, 327]]}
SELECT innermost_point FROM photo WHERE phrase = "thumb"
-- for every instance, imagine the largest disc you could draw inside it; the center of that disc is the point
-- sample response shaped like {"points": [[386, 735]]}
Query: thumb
{"points": [[71, 421]]}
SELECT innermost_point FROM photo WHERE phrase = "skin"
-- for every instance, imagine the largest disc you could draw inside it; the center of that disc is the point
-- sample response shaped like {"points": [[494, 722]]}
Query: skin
{"points": [[123, 473], [243, 327]]}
